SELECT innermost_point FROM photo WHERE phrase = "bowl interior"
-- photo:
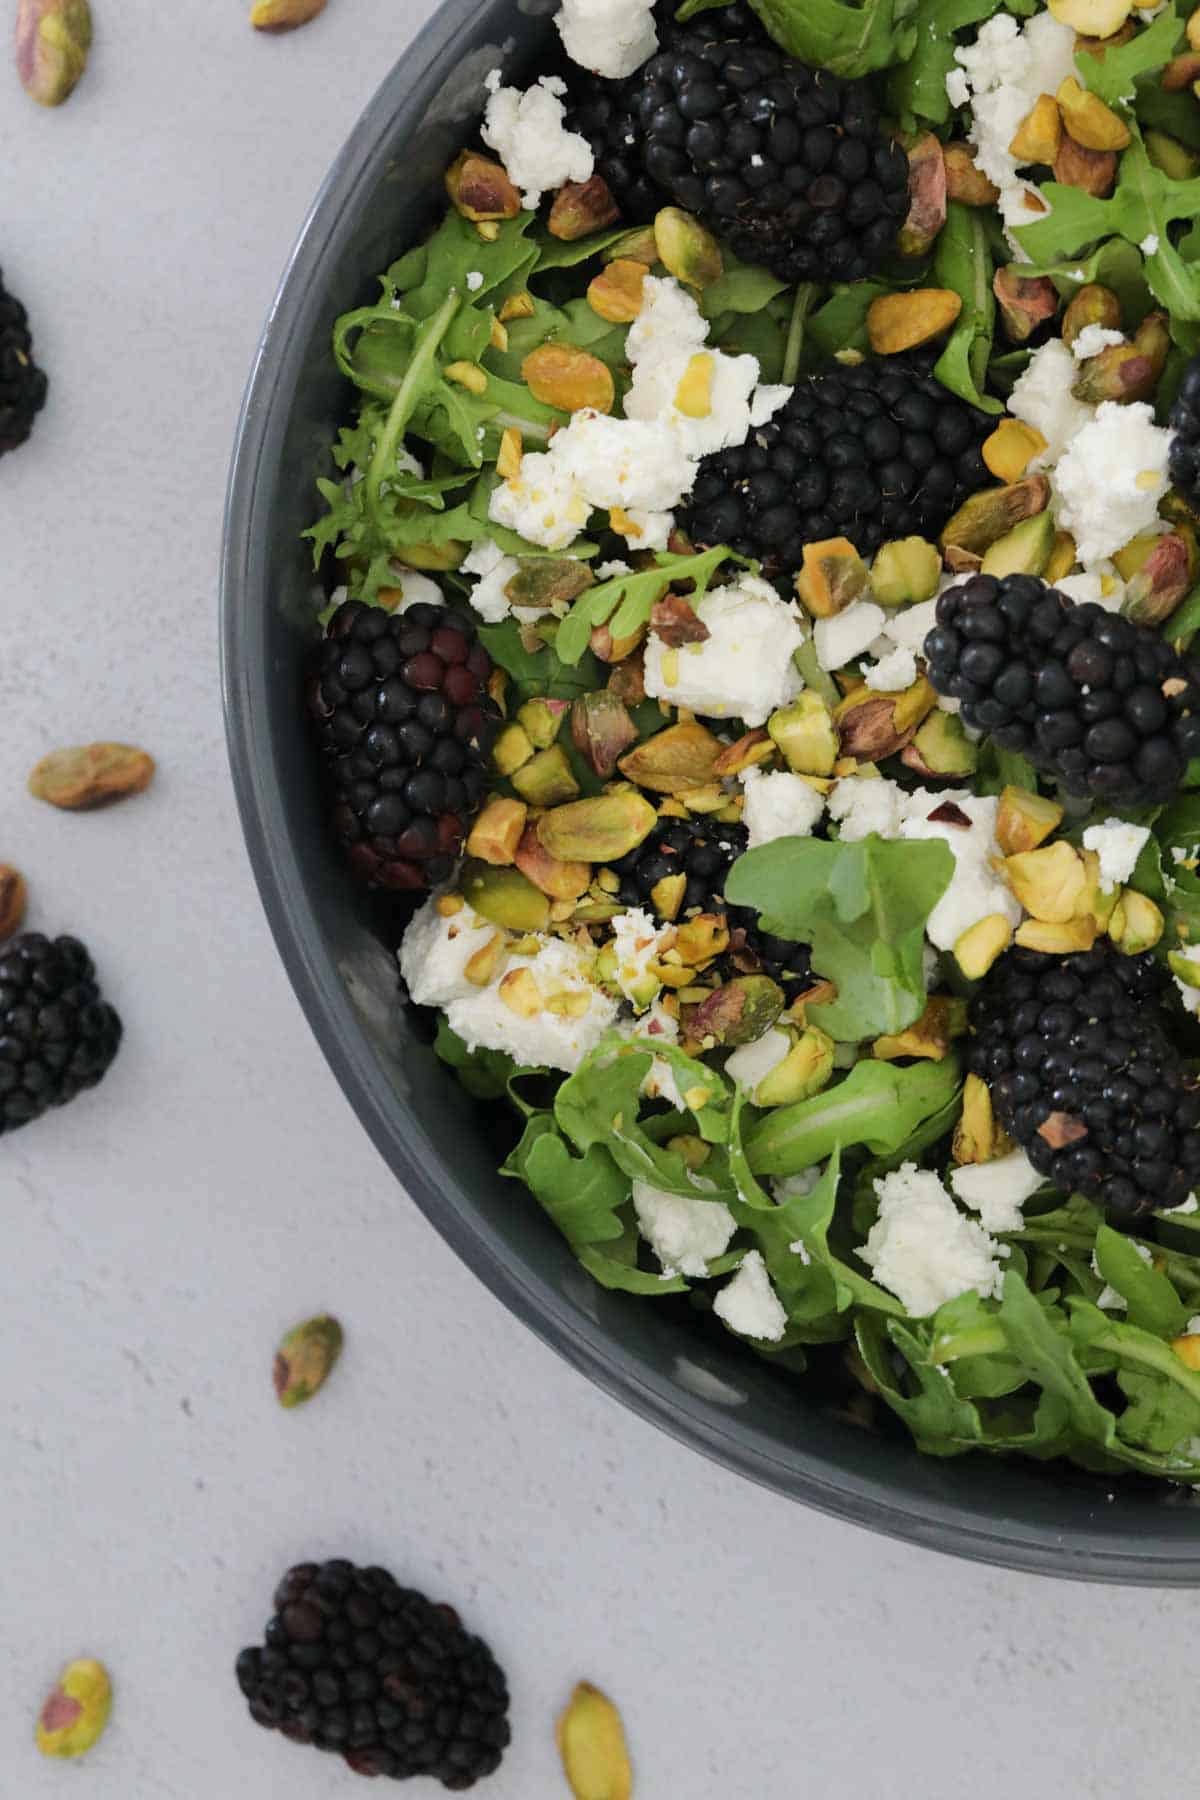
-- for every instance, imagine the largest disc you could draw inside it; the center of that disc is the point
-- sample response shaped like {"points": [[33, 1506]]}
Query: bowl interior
{"points": [[338, 944]]}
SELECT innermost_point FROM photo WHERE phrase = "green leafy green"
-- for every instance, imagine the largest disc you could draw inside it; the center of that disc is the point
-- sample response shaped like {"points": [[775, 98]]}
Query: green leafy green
{"points": [[963, 262], [841, 323], [917, 89], [626, 600], [863, 907], [487, 1074], [601, 1103], [1152, 1301], [1112, 76], [741, 289], [539, 671], [847, 39], [879, 1104]]}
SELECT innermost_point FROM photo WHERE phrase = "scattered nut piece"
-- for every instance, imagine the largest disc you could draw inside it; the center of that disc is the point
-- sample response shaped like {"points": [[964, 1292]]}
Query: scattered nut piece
{"points": [[926, 197], [897, 322], [581, 207], [12, 900], [565, 376], [480, 190], [283, 15], [91, 775], [1092, 171], [591, 1742], [964, 181], [1024, 301], [686, 249], [1039, 133], [76, 1710], [53, 39], [616, 292], [305, 1359], [1061, 1129]]}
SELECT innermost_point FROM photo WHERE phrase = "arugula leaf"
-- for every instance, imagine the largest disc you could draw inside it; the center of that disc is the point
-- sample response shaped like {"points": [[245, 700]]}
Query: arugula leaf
{"points": [[487, 1074], [631, 597], [879, 1104], [455, 250], [601, 1103], [1153, 1302], [941, 1423], [963, 262], [1045, 1350], [841, 323], [1113, 75], [917, 89], [1116, 264], [741, 289], [849, 40], [862, 906], [538, 671], [565, 253]]}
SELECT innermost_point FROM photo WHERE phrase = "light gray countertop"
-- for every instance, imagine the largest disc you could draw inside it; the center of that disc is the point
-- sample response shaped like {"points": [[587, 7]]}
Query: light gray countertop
{"points": [[159, 1234]]}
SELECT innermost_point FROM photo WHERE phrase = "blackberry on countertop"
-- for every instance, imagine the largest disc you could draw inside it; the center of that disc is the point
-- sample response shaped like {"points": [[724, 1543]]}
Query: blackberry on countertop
{"points": [[875, 451], [406, 725], [57, 1035], [789, 165], [1184, 460], [704, 850], [22, 383], [1103, 705], [1077, 1053], [355, 1664]]}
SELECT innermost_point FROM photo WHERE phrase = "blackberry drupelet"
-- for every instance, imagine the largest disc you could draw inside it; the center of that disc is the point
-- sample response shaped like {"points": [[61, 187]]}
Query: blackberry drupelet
{"points": [[1083, 1074], [378, 1674], [406, 726], [1103, 705], [22, 383], [876, 451], [1184, 464], [790, 165], [704, 850], [57, 1035]]}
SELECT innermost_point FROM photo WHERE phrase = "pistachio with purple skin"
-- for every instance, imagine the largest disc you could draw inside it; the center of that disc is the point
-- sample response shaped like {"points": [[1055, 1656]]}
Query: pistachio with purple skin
{"points": [[305, 1359], [76, 1710], [53, 39]]}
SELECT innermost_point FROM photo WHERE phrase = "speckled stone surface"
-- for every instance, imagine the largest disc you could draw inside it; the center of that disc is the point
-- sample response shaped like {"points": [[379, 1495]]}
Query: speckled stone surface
{"points": [[160, 1234]]}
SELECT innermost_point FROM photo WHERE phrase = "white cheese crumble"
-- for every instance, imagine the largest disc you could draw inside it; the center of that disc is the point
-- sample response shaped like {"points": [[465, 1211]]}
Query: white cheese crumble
{"points": [[744, 668], [543, 501], [1042, 397], [997, 1190], [975, 888], [895, 670], [778, 804], [860, 805], [1149, 244], [668, 332], [922, 1249], [1190, 996], [684, 1234], [610, 37], [435, 951], [1190, 1205], [1093, 339], [749, 1304], [838, 640], [1111, 479], [529, 135], [797, 1186], [1100, 586], [752, 1063], [549, 1039], [474, 280], [910, 626], [638, 940], [494, 570], [1118, 845], [414, 588]]}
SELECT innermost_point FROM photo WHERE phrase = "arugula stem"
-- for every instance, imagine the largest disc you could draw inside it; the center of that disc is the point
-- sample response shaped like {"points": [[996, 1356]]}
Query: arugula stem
{"points": [[806, 293], [983, 1340], [408, 393]]}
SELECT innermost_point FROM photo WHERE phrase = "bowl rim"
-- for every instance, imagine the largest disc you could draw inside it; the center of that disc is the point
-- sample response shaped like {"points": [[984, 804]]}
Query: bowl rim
{"points": [[1091, 1554]]}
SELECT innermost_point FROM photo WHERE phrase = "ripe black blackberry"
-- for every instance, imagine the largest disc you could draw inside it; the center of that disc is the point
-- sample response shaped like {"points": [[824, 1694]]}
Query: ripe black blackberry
{"points": [[378, 1674], [790, 165], [57, 1035], [704, 850], [871, 452], [22, 383], [1103, 705], [1184, 463], [601, 111], [1077, 1053], [406, 726]]}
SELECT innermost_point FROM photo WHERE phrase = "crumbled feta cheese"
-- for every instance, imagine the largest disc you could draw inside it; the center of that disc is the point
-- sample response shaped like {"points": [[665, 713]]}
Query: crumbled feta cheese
{"points": [[958, 88], [1118, 845], [997, 1190], [922, 1249], [657, 1026], [797, 1186], [474, 280], [1099, 586], [1190, 996], [895, 670], [606, 570], [435, 951], [744, 668], [494, 570], [910, 625], [1149, 244], [668, 322], [638, 940], [1042, 397], [1190, 1205], [543, 501], [847, 634], [413, 588], [749, 1304], [644, 530], [529, 135], [862, 804], [610, 37], [684, 1234], [778, 805], [1193, 1325], [752, 1063], [553, 1040], [1111, 479], [1093, 339], [767, 401], [668, 332], [975, 888], [596, 461]]}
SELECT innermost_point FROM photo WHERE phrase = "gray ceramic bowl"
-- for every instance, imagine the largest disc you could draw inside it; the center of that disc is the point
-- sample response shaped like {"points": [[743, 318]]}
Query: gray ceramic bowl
{"points": [[384, 190]]}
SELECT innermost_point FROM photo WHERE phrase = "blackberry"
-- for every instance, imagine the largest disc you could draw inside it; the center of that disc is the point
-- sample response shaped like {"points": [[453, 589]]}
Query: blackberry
{"points": [[704, 850], [378, 1674], [870, 452], [1103, 705], [790, 165], [57, 1035], [601, 111], [22, 383], [406, 725], [1184, 463], [1083, 1074]]}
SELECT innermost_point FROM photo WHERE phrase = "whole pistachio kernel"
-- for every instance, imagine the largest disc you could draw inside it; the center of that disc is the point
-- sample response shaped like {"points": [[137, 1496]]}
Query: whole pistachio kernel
{"points": [[76, 1710], [284, 15], [305, 1359], [53, 39]]}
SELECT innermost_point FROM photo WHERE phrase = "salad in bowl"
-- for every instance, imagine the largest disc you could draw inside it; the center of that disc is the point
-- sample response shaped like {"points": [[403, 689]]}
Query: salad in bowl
{"points": [[762, 571]]}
